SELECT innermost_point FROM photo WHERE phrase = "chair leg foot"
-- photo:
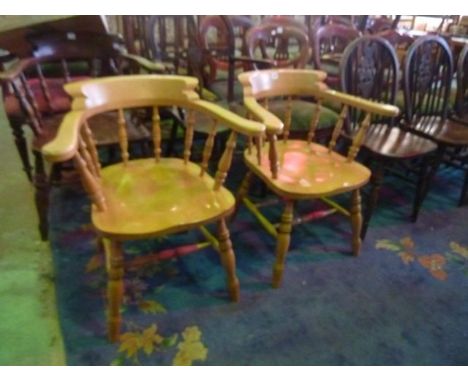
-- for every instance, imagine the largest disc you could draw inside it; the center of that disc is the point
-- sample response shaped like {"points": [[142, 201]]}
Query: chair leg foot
{"points": [[376, 184], [115, 287], [41, 196], [282, 244], [228, 260], [356, 221]]}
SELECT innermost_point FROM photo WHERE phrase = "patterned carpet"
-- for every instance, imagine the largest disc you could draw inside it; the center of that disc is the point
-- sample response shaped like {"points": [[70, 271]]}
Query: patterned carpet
{"points": [[402, 302]]}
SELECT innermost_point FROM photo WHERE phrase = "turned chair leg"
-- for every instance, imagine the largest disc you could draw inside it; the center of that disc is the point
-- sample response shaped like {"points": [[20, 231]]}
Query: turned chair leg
{"points": [[376, 184], [282, 244], [115, 287], [21, 146], [41, 195], [242, 193], [228, 260], [356, 221]]}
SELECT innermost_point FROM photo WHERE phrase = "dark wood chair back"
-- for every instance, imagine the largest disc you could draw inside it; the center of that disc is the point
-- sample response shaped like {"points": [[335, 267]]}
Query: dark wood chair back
{"points": [[427, 78], [168, 38], [369, 69], [286, 45], [330, 41], [221, 37], [461, 106]]}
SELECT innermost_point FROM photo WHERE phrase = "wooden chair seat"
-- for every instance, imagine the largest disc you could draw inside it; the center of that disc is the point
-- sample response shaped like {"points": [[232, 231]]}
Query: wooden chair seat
{"points": [[145, 198], [394, 142], [103, 126], [308, 176], [444, 131]]}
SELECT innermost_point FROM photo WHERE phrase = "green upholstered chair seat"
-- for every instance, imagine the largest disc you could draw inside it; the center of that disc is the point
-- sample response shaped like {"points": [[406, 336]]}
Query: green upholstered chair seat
{"points": [[220, 88], [302, 114]]}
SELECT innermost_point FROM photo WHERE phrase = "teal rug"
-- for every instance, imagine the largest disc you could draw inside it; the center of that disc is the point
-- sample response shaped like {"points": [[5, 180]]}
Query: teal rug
{"points": [[404, 301]]}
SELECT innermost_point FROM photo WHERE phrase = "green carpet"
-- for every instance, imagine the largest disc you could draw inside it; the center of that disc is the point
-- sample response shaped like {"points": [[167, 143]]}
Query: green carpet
{"points": [[29, 330]]}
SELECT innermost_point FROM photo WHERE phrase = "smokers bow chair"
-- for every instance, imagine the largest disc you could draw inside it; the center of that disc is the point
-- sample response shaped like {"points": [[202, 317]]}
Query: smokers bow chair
{"points": [[150, 197], [300, 169]]}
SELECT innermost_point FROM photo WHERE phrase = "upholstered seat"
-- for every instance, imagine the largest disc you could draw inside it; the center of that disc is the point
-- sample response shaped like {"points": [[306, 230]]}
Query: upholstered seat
{"points": [[145, 198], [302, 114]]}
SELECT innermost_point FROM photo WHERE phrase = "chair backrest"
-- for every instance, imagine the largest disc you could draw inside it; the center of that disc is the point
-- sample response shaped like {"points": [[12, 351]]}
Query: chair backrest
{"points": [[75, 141], [462, 83], [427, 78], [330, 38], [286, 45], [135, 34], [222, 36], [37, 83], [369, 69], [261, 85], [168, 38]]}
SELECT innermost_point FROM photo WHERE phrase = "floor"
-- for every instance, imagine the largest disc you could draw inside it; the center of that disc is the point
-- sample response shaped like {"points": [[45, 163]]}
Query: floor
{"points": [[29, 328]]}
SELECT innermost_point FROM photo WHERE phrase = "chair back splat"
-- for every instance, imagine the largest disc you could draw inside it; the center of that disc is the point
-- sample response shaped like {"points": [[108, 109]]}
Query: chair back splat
{"points": [[296, 169], [150, 197]]}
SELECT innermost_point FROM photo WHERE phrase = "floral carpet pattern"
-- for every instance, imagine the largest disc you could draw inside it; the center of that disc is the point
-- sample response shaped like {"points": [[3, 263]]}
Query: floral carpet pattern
{"points": [[403, 301]]}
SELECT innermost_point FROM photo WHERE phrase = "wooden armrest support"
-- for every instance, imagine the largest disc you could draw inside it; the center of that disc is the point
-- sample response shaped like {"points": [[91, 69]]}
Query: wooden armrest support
{"points": [[273, 124], [63, 147], [360, 103], [234, 121]]}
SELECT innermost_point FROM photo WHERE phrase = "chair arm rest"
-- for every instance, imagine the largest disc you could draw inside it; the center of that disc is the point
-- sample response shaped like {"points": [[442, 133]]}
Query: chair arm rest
{"points": [[227, 117], [360, 103], [63, 147], [150, 66], [273, 124]]}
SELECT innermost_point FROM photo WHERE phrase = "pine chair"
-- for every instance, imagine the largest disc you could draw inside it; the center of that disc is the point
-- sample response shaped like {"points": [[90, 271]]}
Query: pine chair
{"points": [[141, 198], [300, 169]]}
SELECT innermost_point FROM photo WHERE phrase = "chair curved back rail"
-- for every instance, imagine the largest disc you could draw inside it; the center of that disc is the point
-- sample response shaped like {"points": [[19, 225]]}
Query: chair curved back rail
{"points": [[330, 40], [284, 44], [74, 139], [262, 85], [427, 77]]}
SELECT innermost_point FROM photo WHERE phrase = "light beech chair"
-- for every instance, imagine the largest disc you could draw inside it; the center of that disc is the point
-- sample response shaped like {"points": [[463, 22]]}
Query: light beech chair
{"points": [[156, 196], [300, 169]]}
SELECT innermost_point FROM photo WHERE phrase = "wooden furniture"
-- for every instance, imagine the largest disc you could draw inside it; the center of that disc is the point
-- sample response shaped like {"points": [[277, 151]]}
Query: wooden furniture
{"points": [[279, 41], [33, 95], [168, 40], [223, 37], [428, 74], [461, 103], [286, 46], [141, 198], [370, 69], [328, 43], [15, 29], [297, 170]]}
